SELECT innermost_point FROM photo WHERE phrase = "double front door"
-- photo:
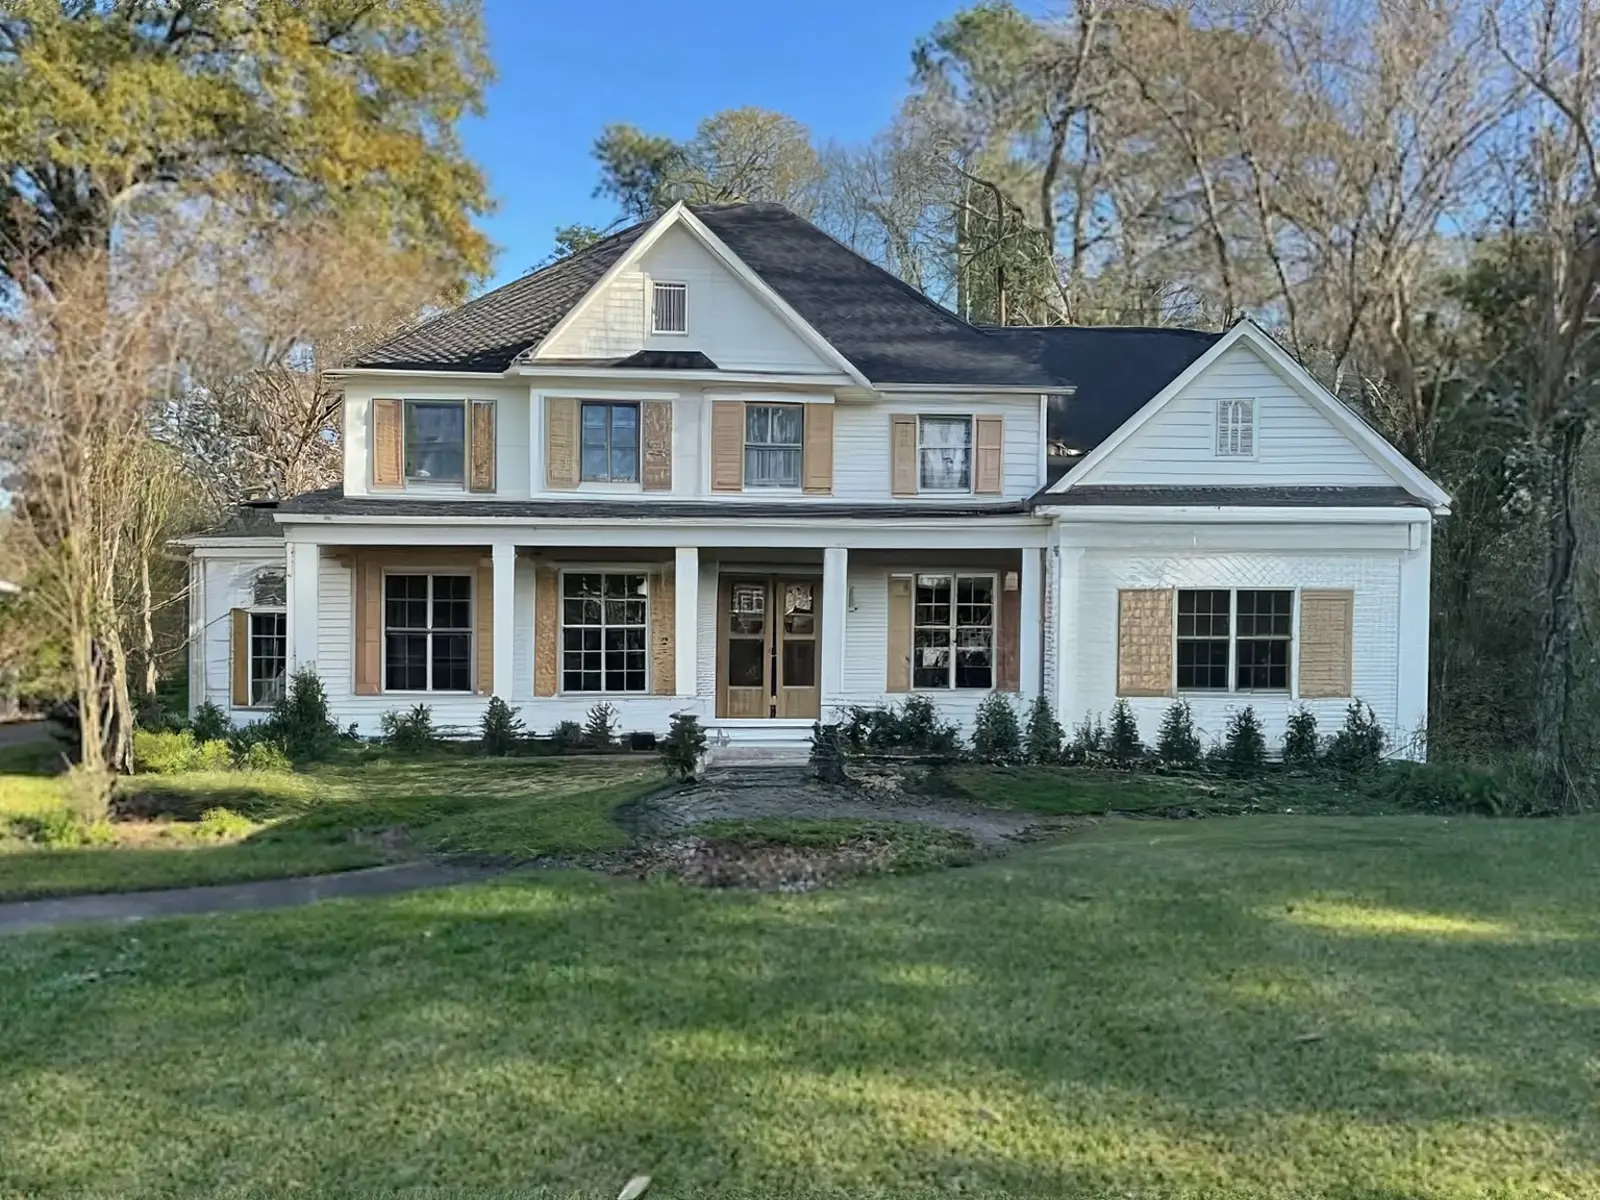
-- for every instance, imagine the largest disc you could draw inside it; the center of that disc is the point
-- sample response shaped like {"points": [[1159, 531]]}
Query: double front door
{"points": [[769, 639]]}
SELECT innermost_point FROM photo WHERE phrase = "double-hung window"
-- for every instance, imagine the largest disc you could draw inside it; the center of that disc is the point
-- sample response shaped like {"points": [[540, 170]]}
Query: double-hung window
{"points": [[427, 633], [436, 441], [610, 435], [269, 657], [772, 445], [944, 454], [952, 631], [1231, 640], [605, 631]]}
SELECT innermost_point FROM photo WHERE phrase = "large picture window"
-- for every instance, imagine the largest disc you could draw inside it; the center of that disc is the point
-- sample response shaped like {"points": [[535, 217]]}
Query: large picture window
{"points": [[944, 454], [436, 441], [772, 445], [269, 657], [427, 633], [605, 631], [952, 632], [610, 443], [1234, 640]]}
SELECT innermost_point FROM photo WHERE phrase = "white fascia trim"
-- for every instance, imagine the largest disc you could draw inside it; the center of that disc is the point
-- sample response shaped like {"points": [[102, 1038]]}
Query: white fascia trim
{"points": [[537, 371], [1159, 514], [971, 389], [1391, 460], [232, 547], [443, 374], [772, 397], [616, 393]]}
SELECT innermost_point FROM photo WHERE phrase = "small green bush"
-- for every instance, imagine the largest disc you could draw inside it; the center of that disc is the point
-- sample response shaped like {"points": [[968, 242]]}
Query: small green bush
{"points": [[213, 756], [1360, 742], [222, 824], [160, 753], [408, 732], [1300, 743], [1088, 742], [1041, 740], [600, 727], [1509, 788], [209, 723], [684, 744], [1244, 746], [827, 752], [1123, 745], [300, 719], [996, 732], [501, 728], [566, 737], [264, 756], [915, 727], [62, 829], [1177, 744]]}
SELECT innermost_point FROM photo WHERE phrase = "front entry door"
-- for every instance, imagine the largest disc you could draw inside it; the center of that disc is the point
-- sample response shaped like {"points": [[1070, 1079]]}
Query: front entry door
{"points": [[770, 631]]}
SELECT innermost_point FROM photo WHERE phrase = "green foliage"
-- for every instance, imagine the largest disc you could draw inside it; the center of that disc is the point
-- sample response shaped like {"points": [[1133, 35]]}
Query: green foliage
{"points": [[63, 829], [300, 719], [915, 727], [1359, 743], [1244, 746], [570, 239], [223, 825], [162, 753], [1177, 744], [213, 756], [600, 727], [1508, 788], [210, 723], [409, 732], [1041, 740], [996, 732], [1301, 745], [1123, 745], [1088, 741], [264, 756], [318, 107], [827, 752], [501, 728], [684, 744], [566, 737]]}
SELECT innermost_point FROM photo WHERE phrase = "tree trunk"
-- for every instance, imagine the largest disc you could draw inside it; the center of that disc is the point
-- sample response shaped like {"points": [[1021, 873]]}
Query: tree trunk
{"points": [[147, 633], [1555, 710]]}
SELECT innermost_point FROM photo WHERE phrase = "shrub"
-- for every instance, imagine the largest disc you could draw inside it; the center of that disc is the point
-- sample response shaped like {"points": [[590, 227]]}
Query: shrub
{"points": [[827, 752], [684, 744], [915, 726], [61, 829], [210, 723], [158, 753], [213, 756], [1088, 742], [300, 719], [1177, 744], [1359, 743], [222, 824], [1244, 747], [996, 732], [566, 737], [1509, 788], [600, 727], [264, 756], [1300, 739], [1041, 740], [500, 727], [410, 732], [1123, 745]]}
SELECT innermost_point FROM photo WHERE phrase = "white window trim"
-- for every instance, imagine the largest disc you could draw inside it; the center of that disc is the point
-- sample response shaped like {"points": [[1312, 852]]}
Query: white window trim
{"points": [[1255, 429], [249, 647], [411, 484], [972, 452], [650, 305], [956, 574], [635, 484], [767, 489], [472, 632], [1233, 689], [644, 569]]}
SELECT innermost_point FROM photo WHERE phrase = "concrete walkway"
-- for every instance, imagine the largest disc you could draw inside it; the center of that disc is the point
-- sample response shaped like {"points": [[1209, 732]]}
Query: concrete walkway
{"points": [[25, 915]]}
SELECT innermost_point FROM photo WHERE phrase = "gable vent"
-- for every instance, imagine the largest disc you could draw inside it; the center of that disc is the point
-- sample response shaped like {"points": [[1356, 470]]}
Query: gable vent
{"points": [[1236, 428], [669, 309]]}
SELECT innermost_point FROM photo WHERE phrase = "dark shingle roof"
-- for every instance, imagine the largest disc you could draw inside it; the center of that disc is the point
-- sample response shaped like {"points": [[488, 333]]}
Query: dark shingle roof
{"points": [[250, 519], [1266, 497]]}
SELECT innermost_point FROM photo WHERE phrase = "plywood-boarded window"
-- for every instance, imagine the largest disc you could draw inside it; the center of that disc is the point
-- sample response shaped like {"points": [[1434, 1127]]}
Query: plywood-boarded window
{"points": [[1144, 642], [1327, 643]]}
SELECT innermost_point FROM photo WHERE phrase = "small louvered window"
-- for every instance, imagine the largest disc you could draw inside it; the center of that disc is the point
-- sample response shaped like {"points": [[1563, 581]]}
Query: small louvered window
{"points": [[669, 310], [1236, 428]]}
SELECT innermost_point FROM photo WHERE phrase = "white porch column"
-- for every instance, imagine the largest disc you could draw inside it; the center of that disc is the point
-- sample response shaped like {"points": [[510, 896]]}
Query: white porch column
{"points": [[1411, 695], [305, 560], [686, 620], [1068, 565], [835, 612], [504, 564], [1030, 615]]}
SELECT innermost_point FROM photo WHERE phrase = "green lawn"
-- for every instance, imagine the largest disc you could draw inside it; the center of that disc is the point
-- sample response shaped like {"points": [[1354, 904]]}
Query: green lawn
{"points": [[361, 811], [1065, 791], [1383, 1009]]}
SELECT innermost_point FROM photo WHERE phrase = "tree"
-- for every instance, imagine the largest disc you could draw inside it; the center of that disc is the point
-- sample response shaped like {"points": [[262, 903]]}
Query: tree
{"points": [[340, 109]]}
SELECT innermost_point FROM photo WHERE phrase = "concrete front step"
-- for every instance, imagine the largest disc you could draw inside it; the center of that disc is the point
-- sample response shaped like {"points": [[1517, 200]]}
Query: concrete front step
{"points": [[759, 744]]}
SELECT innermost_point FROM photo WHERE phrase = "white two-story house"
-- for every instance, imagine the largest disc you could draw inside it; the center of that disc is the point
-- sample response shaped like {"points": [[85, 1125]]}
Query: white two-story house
{"points": [[719, 463]]}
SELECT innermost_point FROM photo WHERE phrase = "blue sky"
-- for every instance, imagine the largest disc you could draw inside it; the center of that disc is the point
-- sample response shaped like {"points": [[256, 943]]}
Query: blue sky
{"points": [[567, 68]]}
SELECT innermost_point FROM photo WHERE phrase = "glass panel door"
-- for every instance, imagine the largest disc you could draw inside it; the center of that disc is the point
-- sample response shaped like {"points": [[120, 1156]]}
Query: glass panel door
{"points": [[798, 691], [746, 632]]}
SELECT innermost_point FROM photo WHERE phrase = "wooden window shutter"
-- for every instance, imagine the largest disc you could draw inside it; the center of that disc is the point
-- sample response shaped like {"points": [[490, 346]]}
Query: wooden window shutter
{"points": [[663, 633], [1144, 642], [368, 575], [560, 443], [1327, 643], [240, 649], [483, 622], [1008, 637], [903, 453], [481, 446], [546, 631], [727, 445], [388, 443], [816, 470], [898, 664], [656, 418], [989, 455]]}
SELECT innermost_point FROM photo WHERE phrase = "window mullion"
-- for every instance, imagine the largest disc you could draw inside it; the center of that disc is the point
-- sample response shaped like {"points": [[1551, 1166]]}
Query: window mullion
{"points": [[1233, 640]]}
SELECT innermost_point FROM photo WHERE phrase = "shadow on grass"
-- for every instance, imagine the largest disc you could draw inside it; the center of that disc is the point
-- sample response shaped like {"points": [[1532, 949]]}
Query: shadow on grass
{"points": [[1249, 1008]]}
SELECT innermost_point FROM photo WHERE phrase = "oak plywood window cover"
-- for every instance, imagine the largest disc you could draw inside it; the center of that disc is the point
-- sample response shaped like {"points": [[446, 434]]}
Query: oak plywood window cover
{"points": [[1327, 635], [427, 632], [953, 631], [669, 308], [773, 438], [605, 631]]}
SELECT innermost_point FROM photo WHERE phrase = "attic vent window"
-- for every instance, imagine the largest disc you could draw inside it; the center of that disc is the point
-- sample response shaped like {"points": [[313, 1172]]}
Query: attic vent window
{"points": [[1236, 428], [669, 309]]}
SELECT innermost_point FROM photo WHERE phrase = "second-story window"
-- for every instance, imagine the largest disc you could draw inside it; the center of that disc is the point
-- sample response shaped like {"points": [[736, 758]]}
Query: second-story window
{"points": [[944, 454], [436, 441], [669, 308], [610, 443], [772, 445]]}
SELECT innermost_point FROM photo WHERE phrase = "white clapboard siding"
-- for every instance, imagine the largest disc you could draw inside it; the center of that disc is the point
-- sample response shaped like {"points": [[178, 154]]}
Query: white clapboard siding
{"points": [[512, 412], [227, 584], [1296, 444], [861, 458]]}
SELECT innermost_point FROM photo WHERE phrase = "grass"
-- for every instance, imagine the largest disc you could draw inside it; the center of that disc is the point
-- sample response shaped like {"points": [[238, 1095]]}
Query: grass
{"points": [[1362, 1009], [905, 845], [371, 810], [1067, 791]]}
